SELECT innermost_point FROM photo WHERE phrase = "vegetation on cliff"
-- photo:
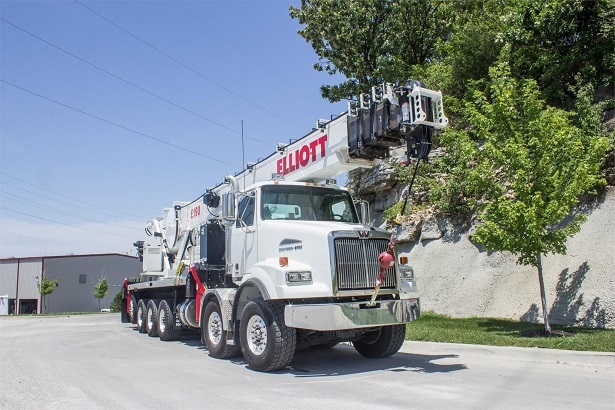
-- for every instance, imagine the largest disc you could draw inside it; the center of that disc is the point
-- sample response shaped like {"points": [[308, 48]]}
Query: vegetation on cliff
{"points": [[527, 86]]}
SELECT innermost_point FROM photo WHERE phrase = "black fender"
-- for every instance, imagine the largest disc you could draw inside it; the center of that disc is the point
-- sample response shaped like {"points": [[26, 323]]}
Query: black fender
{"points": [[251, 289]]}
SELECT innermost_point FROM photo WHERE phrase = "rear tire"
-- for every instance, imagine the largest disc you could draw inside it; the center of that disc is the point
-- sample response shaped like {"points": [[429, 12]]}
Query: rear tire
{"points": [[124, 312], [166, 323], [387, 342], [132, 311], [213, 335], [142, 315], [266, 342], [151, 322]]}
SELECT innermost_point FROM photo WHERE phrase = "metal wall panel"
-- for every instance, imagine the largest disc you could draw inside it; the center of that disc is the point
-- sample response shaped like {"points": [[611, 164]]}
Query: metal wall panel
{"points": [[8, 278], [30, 274], [29, 270], [73, 296]]}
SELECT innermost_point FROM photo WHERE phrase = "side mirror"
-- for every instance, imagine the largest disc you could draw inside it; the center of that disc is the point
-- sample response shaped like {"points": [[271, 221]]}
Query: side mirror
{"points": [[363, 209], [228, 206]]}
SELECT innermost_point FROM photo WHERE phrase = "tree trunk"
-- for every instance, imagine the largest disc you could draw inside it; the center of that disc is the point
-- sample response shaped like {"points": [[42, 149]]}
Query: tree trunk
{"points": [[543, 296]]}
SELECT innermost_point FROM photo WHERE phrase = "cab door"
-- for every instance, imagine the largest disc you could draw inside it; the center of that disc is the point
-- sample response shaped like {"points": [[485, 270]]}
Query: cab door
{"points": [[244, 236]]}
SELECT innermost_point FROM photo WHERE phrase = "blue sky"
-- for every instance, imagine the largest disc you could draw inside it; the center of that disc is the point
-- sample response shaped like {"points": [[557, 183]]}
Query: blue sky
{"points": [[112, 110]]}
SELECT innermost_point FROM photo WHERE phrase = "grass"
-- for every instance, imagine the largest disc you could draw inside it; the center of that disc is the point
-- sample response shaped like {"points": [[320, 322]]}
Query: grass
{"points": [[432, 327]]}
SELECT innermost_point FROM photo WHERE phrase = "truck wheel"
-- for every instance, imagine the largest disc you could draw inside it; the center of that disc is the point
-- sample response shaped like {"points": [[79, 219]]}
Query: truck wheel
{"points": [[132, 312], [142, 315], [151, 322], [266, 342], [212, 334], [381, 343], [166, 323]]}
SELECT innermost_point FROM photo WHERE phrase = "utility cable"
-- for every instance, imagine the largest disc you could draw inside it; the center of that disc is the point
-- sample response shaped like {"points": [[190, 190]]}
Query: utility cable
{"points": [[189, 68], [49, 208], [268, 70], [118, 125], [12, 234], [127, 82], [65, 224], [133, 217]]}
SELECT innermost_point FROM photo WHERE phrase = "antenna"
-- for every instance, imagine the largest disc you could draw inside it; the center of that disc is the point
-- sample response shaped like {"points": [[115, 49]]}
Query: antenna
{"points": [[243, 156]]}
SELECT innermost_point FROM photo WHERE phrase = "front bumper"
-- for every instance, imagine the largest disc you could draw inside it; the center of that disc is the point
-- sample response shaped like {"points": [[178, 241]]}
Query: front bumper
{"points": [[340, 316]]}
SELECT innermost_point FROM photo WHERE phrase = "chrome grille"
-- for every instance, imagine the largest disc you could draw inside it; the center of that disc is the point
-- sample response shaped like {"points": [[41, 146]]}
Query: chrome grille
{"points": [[356, 263]]}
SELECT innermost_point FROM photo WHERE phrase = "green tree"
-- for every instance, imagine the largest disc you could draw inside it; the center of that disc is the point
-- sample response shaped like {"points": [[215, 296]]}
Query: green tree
{"points": [[553, 41], [447, 44], [535, 164], [368, 41], [100, 290], [116, 303], [46, 287]]}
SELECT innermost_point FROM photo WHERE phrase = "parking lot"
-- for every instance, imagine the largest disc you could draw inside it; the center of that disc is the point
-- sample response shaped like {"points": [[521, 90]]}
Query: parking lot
{"points": [[96, 362]]}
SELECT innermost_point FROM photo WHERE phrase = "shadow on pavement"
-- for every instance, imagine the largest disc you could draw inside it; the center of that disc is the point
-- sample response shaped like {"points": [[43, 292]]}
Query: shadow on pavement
{"points": [[345, 360]]}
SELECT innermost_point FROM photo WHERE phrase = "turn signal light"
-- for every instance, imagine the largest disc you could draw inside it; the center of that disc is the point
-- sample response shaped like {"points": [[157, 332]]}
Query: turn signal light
{"points": [[403, 260], [283, 260]]}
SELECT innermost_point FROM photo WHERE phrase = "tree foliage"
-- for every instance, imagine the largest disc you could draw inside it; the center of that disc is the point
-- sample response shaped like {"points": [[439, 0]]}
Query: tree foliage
{"points": [[554, 41], [368, 40], [116, 303], [535, 164], [447, 44], [101, 289], [47, 285]]}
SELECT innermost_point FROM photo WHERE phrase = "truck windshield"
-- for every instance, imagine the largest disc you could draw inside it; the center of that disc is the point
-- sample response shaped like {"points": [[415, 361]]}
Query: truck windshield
{"points": [[307, 203]]}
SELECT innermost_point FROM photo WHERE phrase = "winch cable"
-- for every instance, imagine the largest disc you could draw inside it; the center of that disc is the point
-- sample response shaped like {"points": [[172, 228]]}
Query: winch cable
{"points": [[386, 259], [398, 219]]}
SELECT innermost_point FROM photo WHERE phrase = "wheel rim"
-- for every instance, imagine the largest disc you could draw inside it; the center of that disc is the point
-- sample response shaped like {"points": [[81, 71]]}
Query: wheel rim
{"points": [[150, 319], [214, 328], [140, 317], [257, 335], [162, 321]]}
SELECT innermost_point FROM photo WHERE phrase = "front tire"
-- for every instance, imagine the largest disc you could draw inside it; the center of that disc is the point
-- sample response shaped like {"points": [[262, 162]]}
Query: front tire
{"points": [[166, 323], [151, 323], [385, 343], [213, 335], [266, 342], [142, 315]]}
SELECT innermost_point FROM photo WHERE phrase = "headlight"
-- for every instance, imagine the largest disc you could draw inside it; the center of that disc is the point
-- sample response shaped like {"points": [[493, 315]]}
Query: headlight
{"points": [[406, 272], [303, 277]]}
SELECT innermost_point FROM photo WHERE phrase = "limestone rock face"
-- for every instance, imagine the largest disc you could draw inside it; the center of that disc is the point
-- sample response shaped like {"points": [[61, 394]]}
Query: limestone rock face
{"points": [[411, 230], [456, 277], [377, 186]]}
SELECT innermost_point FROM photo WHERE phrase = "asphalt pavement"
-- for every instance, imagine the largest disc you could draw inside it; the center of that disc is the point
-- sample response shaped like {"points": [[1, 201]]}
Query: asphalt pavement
{"points": [[96, 362]]}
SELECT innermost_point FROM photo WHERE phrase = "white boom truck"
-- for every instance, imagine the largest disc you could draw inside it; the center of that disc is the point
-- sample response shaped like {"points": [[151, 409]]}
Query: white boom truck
{"points": [[278, 256]]}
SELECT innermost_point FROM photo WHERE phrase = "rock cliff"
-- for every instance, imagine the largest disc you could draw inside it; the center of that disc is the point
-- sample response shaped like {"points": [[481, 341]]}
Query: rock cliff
{"points": [[460, 279]]}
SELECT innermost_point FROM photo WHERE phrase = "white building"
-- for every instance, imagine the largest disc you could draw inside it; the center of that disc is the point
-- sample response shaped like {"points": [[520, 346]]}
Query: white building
{"points": [[77, 275]]}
